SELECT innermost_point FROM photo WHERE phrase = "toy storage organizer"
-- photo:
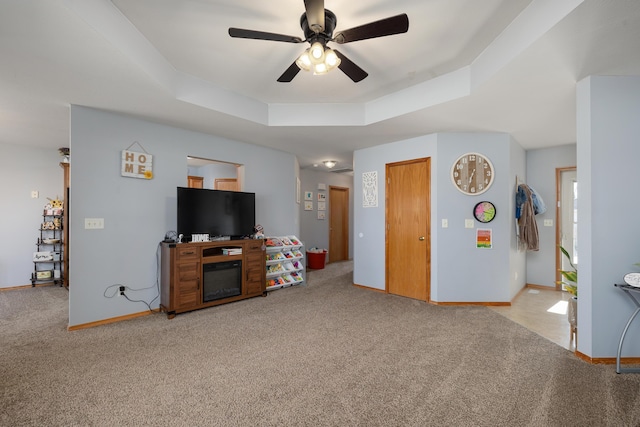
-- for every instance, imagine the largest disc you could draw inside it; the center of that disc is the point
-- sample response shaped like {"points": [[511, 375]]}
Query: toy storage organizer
{"points": [[285, 262]]}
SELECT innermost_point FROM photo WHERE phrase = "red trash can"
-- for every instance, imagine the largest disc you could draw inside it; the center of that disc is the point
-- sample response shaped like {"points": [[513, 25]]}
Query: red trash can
{"points": [[315, 260]]}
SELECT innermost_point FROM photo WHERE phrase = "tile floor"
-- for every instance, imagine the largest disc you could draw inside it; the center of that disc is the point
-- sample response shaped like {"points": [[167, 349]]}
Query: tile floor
{"points": [[543, 312]]}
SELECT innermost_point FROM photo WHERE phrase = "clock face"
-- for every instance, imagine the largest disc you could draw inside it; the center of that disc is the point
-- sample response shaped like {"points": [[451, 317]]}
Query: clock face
{"points": [[484, 211], [472, 173]]}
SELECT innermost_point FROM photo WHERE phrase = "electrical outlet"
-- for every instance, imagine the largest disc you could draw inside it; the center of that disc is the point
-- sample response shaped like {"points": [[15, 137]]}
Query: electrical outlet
{"points": [[93, 223], [121, 290]]}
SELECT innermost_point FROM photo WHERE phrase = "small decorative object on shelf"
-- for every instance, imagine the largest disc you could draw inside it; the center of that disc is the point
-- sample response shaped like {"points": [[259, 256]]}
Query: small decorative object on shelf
{"points": [[48, 264], [285, 262], [64, 152]]}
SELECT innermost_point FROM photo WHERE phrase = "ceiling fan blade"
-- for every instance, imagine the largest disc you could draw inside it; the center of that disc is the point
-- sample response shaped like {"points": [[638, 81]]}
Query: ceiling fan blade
{"points": [[348, 67], [289, 74], [384, 27], [261, 35], [315, 14]]}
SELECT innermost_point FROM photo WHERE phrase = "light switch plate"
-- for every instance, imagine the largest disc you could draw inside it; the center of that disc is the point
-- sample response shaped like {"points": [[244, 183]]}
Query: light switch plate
{"points": [[548, 223], [445, 223], [93, 223], [468, 223]]}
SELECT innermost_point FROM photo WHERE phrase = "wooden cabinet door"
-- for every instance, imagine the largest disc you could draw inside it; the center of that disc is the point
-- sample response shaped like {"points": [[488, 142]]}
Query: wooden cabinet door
{"points": [[195, 181], [255, 268], [228, 184], [187, 285]]}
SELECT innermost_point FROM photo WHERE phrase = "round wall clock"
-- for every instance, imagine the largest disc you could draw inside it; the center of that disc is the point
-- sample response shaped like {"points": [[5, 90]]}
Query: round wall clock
{"points": [[484, 211], [472, 173]]}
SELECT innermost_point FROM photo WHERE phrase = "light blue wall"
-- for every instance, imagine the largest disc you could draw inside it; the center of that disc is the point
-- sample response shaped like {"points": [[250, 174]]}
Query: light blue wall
{"points": [[24, 169], [315, 232], [608, 227], [468, 274], [369, 223], [137, 213], [459, 271], [541, 175], [517, 258]]}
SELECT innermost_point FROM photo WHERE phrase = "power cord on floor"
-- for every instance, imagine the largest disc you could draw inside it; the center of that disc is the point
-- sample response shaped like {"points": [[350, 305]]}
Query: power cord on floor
{"points": [[121, 289]]}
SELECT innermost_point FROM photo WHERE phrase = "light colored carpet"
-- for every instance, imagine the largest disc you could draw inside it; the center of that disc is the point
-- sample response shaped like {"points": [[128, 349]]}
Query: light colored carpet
{"points": [[326, 354]]}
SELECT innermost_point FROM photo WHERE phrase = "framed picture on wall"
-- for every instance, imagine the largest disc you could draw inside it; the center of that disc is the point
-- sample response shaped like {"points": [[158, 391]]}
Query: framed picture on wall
{"points": [[308, 206], [308, 195], [322, 197], [484, 238]]}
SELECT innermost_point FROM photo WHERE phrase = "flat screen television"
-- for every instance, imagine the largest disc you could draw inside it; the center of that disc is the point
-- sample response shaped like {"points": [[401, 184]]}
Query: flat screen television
{"points": [[216, 213]]}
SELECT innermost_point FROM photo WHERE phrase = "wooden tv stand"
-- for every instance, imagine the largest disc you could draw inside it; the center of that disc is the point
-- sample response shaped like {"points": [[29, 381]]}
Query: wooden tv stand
{"points": [[181, 283]]}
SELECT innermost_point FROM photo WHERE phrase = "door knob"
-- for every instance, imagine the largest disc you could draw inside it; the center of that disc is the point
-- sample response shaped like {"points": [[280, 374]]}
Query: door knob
{"points": [[421, 238]]}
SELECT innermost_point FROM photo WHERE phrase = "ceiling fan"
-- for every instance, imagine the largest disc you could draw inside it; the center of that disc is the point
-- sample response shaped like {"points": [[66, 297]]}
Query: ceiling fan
{"points": [[318, 24]]}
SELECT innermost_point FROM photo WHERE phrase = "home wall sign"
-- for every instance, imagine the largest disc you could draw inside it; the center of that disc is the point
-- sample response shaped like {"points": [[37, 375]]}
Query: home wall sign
{"points": [[136, 164]]}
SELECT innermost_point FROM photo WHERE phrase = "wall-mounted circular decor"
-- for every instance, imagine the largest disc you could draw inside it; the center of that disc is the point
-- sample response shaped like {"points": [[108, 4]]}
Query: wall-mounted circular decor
{"points": [[472, 173], [484, 211]]}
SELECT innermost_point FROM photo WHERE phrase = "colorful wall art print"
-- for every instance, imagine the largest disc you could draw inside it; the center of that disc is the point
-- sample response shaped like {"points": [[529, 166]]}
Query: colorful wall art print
{"points": [[483, 238]]}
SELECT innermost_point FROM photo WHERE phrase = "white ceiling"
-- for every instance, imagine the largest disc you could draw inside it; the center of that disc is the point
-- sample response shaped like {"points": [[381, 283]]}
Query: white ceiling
{"points": [[464, 65]]}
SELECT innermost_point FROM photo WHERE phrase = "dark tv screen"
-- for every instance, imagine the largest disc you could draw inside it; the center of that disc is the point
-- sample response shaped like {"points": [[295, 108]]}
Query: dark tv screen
{"points": [[215, 212]]}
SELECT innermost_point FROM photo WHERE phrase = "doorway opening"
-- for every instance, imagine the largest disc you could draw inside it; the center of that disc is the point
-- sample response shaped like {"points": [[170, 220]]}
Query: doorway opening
{"points": [[214, 174], [566, 219]]}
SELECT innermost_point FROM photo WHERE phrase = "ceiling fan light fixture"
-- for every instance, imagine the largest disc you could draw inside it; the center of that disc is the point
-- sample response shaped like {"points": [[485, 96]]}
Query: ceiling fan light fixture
{"points": [[318, 25], [304, 61], [331, 60], [319, 69], [330, 163], [316, 53]]}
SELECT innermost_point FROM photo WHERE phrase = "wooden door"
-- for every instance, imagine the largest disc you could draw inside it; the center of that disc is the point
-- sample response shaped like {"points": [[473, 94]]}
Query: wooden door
{"points": [[195, 181], [338, 224], [408, 237], [228, 184]]}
